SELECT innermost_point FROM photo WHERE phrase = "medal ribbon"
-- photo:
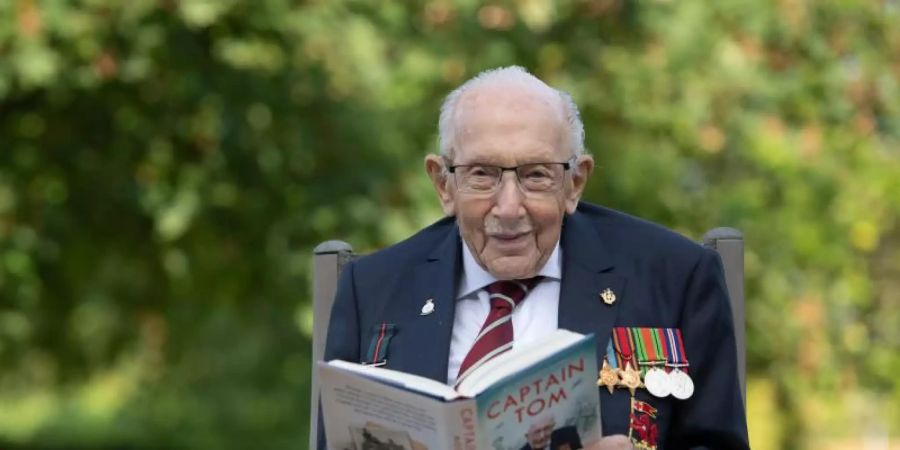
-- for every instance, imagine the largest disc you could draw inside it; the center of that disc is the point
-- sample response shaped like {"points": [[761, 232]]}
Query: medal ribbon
{"points": [[683, 356], [672, 353], [654, 348], [381, 339], [624, 345], [611, 356], [675, 349], [640, 349], [664, 346]]}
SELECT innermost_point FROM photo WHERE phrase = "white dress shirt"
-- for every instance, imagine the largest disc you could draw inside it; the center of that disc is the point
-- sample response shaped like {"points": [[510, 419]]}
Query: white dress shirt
{"points": [[532, 319]]}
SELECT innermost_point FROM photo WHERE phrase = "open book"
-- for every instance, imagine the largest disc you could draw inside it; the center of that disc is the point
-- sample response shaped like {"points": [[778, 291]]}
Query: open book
{"points": [[523, 396]]}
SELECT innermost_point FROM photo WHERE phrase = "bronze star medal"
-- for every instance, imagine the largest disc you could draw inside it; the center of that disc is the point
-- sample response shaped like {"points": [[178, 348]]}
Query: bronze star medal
{"points": [[630, 378], [608, 377]]}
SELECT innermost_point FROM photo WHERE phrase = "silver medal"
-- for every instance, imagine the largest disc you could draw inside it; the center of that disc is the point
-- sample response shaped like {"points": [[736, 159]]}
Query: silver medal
{"points": [[657, 382], [681, 383]]}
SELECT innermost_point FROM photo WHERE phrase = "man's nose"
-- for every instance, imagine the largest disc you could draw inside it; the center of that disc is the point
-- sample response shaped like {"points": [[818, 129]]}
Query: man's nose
{"points": [[509, 201]]}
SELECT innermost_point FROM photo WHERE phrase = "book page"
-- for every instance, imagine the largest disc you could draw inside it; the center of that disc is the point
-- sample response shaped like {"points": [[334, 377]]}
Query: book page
{"points": [[362, 413], [406, 380]]}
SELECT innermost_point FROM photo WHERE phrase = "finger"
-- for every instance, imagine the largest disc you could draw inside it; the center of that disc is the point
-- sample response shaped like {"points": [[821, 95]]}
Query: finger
{"points": [[615, 442]]}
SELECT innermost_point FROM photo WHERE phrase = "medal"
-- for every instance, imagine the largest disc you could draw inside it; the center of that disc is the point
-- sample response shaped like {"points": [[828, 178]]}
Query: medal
{"points": [[648, 349], [657, 382], [682, 386], [630, 378], [640, 357], [656, 379], [609, 376]]}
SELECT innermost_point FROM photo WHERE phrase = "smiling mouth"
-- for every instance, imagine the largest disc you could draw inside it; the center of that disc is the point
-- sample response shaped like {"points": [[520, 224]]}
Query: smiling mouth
{"points": [[508, 237]]}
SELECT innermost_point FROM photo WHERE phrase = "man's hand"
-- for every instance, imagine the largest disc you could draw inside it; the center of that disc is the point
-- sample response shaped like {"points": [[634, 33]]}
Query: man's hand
{"points": [[615, 442]]}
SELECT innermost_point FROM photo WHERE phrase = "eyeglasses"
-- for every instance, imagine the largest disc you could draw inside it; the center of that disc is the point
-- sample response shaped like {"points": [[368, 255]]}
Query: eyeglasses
{"points": [[533, 178]]}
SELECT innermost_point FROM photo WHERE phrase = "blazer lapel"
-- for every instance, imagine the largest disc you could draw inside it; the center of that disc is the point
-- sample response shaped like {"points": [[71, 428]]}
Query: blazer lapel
{"points": [[429, 335], [587, 272]]}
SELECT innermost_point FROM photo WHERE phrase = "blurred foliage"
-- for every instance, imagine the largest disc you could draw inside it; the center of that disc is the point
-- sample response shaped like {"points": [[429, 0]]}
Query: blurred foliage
{"points": [[166, 167]]}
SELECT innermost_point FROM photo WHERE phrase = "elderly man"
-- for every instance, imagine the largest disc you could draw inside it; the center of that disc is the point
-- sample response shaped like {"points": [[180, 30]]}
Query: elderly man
{"points": [[510, 174], [542, 434], [539, 433]]}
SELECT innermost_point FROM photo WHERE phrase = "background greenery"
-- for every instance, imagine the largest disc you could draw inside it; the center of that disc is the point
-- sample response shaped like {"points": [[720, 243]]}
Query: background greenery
{"points": [[166, 167]]}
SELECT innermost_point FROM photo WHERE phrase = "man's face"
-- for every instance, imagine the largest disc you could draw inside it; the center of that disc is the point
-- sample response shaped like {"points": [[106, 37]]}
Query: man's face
{"points": [[510, 233], [539, 433]]}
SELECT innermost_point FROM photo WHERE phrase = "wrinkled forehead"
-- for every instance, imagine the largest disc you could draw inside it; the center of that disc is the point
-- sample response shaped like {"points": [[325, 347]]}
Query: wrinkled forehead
{"points": [[513, 124]]}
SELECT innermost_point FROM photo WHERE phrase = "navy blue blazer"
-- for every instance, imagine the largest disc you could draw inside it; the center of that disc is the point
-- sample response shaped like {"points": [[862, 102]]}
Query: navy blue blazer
{"points": [[661, 279]]}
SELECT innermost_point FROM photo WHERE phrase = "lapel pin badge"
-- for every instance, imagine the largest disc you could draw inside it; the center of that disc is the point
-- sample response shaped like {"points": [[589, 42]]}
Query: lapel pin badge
{"points": [[608, 296], [427, 308]]}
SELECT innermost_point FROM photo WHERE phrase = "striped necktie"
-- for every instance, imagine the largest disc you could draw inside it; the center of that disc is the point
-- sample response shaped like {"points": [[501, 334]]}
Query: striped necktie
{"points": [[496, 335]]}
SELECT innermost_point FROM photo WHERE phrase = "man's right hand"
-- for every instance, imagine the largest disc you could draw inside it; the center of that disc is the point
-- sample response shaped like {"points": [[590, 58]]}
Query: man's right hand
{"points": [[614, 442]]}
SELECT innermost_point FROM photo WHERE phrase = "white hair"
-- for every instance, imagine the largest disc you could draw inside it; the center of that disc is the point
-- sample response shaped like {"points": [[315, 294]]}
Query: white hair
{"points": [[543, 418], [505, 76]]}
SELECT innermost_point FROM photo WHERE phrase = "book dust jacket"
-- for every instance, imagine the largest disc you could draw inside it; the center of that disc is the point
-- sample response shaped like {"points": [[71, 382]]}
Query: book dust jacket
{"points": [[557, 398]]}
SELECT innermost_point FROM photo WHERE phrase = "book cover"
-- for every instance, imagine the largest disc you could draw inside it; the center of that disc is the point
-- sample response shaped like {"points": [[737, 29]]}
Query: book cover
{"points": [[554, 402]]}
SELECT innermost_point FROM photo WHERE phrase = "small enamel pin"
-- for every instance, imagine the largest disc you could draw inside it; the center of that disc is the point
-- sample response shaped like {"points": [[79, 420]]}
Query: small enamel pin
{"points": [[427, 308], [608, 296]]}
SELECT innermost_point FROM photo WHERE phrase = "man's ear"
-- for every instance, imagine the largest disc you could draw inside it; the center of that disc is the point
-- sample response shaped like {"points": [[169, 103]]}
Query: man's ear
{"points": [[434, 165], [584, 165]]}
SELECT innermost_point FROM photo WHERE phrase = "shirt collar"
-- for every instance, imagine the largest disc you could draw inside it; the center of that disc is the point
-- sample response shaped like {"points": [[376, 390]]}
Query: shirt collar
{"points": [[474, 277]]}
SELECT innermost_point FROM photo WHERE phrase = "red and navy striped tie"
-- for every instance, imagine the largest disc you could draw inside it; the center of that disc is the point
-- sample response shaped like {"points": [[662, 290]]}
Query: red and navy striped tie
{"points": [[496, 335]]}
